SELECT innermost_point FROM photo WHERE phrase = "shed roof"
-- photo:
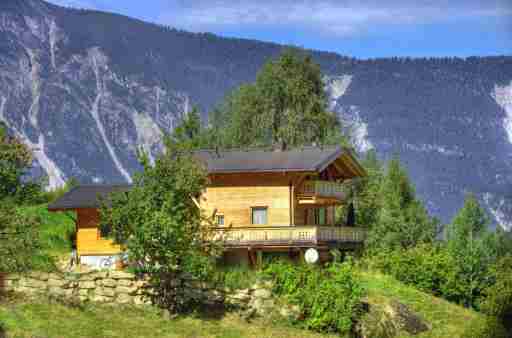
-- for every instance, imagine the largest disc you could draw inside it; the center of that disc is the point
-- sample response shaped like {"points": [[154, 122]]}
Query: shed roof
{"points": [[86, 196]]}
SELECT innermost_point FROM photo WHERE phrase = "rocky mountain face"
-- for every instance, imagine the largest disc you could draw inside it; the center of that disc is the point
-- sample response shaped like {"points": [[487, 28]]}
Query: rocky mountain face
{"points": [[85, 89]]}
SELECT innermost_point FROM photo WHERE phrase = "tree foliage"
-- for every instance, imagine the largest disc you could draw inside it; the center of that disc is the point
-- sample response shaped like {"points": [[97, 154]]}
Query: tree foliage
{"points": [[473, 248], [159, 225], [15, 159], [286, 105], [400, 219], [329, 298], [20, 249], [365, 192]]}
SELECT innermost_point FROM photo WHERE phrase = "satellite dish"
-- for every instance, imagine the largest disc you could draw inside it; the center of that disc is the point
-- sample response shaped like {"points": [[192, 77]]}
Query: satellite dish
{"points": [[311, 256]]}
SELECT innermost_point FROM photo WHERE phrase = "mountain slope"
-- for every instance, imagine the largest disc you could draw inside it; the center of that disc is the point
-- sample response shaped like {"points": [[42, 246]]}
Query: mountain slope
{"points": [[86, 88]]}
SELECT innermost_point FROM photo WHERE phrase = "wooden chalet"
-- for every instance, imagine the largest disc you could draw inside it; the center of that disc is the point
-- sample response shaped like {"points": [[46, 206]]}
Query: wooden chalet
{"points": [[262, 201]]}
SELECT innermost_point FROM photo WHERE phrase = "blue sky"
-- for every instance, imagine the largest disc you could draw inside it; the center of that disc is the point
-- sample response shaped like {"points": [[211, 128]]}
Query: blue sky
{"points": [[363, 28]]}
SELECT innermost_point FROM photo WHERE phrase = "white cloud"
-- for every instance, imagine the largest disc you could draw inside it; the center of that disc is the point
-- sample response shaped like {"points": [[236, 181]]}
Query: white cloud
{"points": [[333, 17], [82, 4]]}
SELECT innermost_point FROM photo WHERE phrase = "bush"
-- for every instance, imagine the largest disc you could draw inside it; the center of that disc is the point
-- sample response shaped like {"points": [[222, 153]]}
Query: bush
{"points": [[490, 328], [498, 301], [329, 298], [432, 269], [20, 247], [236, 277]]}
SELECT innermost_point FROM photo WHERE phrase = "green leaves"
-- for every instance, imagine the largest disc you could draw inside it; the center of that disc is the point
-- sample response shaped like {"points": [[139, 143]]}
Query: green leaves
{"points": [[328, 297], [285, 105], [160, 227], [20, 249], [397, 218]]}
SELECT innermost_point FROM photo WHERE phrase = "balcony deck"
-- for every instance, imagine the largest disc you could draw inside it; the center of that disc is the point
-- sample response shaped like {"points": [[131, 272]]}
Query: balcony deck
{"points": [[321, 192], [290, 236]]}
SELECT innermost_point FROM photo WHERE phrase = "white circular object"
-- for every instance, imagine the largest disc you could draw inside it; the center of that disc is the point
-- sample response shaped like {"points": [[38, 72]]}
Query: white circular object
{"points": [[311, 256]]}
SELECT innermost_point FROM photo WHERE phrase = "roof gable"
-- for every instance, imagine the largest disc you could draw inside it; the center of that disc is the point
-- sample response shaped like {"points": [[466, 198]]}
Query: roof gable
{"points": [[308, 159]]}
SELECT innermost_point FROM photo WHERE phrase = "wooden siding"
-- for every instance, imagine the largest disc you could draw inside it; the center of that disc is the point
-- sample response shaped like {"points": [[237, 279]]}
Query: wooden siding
{"points": [[235, 203], [88, 238]]}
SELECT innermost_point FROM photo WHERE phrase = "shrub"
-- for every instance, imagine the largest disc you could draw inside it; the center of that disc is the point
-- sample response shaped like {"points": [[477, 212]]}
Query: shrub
{"points": [[236, 277], [20, 247], [490, 328], [498, 301], [329, 298], [433, 269]]}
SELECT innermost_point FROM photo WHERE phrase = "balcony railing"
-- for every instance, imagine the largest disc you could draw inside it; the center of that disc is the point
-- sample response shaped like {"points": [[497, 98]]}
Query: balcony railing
{"points": [[317, 188], [292, 235]]}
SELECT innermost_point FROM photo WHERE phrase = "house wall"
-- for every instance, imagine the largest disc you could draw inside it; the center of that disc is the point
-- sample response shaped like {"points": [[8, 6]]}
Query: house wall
{"points": [[234, 195], [88, 237]]}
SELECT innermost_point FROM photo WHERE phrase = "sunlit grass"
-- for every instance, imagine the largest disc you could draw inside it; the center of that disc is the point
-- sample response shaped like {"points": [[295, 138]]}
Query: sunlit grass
{"points": [[41, 318], [447, 319]]}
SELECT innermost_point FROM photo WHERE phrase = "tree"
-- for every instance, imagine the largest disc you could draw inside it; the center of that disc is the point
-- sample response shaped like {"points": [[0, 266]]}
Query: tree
{"points": [[402, 221], [159, 225], [367, 191], [286, 105], [15, 158], [473, 248], [20, 249]]}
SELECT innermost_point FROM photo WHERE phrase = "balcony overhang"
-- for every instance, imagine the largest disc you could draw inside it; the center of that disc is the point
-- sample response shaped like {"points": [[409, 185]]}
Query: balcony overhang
{"points": [[318, 200], [289, 236], [321, 192]]}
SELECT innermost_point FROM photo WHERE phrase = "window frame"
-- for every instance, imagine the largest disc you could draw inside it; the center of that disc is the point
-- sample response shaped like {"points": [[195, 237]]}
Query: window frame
{"points": [[217, 216], [259, 207]]}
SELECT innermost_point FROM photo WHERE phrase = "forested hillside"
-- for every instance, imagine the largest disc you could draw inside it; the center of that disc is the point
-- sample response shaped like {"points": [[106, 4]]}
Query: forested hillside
{"points": [[86, 88]]}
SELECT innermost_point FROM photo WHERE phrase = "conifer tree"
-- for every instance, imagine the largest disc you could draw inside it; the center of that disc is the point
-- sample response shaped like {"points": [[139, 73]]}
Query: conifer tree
{"points": [[473, 247], [366, 191], [402, 220]]}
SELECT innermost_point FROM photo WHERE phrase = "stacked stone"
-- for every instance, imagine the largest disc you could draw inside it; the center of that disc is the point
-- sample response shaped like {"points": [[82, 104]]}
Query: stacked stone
{"points": [[103, 286], [118, 287]]}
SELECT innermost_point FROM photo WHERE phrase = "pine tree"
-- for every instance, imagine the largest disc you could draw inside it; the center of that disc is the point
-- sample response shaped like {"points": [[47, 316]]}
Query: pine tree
{"points": [[473, 248], [366, 191], [402, 221]]}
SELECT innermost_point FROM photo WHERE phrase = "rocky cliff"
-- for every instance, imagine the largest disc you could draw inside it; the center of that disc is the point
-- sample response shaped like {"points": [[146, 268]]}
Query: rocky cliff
{"points": [[85, 89]]}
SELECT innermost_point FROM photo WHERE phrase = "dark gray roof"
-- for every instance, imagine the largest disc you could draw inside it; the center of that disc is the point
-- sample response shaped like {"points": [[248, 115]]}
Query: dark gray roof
{"points": [[86, 196], [304, 159], [310, 159]]}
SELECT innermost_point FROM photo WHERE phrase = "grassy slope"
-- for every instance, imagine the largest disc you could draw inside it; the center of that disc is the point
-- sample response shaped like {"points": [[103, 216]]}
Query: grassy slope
{"points": [[41, 318], [52, 320], [31, 319], [447, 319]]}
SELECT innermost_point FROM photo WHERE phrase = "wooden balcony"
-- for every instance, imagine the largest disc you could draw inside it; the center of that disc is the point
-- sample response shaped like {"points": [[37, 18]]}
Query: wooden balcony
{"points": [[298, 236], [321, 192]]}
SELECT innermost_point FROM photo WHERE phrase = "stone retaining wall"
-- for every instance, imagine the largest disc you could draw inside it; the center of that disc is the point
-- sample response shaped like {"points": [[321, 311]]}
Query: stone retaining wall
{"points": [[118, 287]]}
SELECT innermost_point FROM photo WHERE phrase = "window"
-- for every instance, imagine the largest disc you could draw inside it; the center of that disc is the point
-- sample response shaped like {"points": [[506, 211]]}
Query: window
{"points": [[259, 215], [320, 216], [220, 219]]}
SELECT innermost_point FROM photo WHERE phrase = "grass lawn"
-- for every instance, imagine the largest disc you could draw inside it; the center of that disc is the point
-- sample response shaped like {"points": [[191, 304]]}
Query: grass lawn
{"points": [[447, 319], [42, 318]]}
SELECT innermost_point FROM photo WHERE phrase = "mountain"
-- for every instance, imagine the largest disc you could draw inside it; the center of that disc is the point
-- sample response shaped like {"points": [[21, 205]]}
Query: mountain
{"points": [[86, 88]]}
